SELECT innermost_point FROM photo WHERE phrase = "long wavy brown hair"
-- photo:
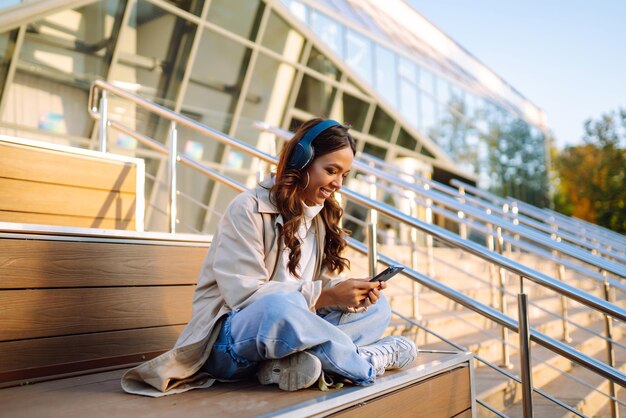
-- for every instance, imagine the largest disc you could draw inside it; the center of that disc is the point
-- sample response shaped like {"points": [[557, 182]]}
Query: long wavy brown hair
{"points": [[287, 195]]}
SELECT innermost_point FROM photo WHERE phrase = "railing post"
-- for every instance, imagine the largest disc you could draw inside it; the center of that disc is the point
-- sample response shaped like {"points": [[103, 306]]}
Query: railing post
{"points": [[415, 287], [103, 121], [429, 239], [172, 177], [608, 328], [560, 272], [492, 268], [506, 352], [371, 230], [524, 344]]}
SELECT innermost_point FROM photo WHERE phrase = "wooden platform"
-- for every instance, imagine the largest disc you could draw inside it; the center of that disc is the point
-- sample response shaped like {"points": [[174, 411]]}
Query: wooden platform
{"points": [[436, 385], [77, 299], [43, 183]]}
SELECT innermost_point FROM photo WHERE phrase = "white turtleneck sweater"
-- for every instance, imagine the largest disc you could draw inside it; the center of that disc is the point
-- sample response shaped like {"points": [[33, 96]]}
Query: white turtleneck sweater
{"points": [[308, 248]]}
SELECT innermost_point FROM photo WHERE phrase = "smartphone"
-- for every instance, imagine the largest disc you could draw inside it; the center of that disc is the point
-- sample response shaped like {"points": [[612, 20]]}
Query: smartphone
{"points": [[387, 274]]}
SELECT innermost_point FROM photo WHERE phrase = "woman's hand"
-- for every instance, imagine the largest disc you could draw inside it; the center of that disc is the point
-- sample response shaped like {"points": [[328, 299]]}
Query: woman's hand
{"points": [[351, 293]]}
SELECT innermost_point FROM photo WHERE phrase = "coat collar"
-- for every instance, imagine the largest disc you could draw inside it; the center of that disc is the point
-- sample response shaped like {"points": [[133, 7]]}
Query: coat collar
{"points": [[262, 192]]}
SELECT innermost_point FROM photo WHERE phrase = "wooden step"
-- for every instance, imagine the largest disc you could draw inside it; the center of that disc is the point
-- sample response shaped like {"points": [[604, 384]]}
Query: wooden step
{"points": [[48, 184], [76, 303], [443, 379]]}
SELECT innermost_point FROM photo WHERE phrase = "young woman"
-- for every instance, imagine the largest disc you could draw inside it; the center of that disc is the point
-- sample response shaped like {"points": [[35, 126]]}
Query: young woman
{"points": [[269, 300]]}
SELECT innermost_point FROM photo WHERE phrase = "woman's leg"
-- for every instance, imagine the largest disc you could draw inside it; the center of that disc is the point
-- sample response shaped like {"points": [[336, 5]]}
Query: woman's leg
{"points": [[281, 324], [364, 327]]}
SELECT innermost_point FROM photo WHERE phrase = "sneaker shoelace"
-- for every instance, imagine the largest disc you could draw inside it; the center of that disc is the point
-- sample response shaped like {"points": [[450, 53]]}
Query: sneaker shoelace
{"points": [[381, 356]]}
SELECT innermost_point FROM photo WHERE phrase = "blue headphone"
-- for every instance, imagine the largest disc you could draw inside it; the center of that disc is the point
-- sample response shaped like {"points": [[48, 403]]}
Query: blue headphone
{"points": [[303, 152]]}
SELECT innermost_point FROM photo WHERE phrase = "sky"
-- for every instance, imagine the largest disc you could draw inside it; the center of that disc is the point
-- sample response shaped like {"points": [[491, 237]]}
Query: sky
{"points": [[568, 57]]}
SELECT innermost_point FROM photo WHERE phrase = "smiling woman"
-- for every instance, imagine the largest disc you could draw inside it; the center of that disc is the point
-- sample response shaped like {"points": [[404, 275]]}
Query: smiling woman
{"points": [[269, 300]]}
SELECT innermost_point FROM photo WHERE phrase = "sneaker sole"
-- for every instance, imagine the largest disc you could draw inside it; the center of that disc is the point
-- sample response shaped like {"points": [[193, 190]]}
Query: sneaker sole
{"points": [[298, 371]]}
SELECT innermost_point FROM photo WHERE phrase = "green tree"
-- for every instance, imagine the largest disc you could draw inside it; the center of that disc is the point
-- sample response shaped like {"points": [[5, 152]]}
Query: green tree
{"points": [[592, 176]]}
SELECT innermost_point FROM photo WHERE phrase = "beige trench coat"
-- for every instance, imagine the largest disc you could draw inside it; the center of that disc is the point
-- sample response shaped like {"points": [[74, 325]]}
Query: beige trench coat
{"points": [[238, 270]]}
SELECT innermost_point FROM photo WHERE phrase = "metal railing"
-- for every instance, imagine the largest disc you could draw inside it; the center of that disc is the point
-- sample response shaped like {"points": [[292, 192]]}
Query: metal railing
{"points": [[504, 211], [587, 233], [100, 88]]}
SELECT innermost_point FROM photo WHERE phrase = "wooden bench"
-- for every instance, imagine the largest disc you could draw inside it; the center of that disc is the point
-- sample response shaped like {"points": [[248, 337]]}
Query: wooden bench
{"points": [[48, 184]]}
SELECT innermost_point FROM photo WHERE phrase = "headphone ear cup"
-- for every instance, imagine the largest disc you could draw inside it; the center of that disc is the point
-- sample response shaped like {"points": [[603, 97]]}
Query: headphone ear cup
{"points": [[301, 156]]}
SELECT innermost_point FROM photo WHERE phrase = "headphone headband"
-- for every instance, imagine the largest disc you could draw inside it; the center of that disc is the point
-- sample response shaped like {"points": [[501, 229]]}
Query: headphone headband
{"points": [[303, 153]]}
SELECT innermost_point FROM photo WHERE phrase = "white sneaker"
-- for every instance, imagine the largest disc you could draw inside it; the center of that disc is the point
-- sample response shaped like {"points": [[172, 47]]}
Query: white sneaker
{"points": [[389, 353], [297, 371]]}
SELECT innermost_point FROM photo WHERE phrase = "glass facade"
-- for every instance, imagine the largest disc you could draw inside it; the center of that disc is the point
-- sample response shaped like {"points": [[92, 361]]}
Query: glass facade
{"points": [[229, 63]]}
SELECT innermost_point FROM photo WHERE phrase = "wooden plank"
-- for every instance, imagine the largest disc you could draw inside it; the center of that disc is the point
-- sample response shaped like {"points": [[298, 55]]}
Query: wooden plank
{"points": [[48, 264], [33, 197], [46, 352], [61, 220], [441, 396], [38, 164], [52, 312], [100, 395]]}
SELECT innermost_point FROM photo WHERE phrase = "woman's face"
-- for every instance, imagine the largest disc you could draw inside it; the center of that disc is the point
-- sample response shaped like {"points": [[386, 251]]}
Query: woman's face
{"points": [[326, 175]]}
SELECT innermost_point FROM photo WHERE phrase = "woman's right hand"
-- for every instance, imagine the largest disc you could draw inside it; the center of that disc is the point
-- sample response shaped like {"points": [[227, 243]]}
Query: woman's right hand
{"points": [[348, 293]]}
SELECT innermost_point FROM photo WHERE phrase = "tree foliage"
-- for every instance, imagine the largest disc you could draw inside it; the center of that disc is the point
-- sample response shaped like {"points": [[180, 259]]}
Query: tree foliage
{"points": [[591, 177]]}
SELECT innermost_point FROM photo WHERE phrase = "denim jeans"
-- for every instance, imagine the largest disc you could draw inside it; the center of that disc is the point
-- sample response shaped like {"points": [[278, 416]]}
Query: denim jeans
{"points": [[281, 324]]}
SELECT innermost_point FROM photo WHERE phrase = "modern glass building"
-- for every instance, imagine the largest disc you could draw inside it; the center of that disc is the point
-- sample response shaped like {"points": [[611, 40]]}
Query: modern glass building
{"points": [[412, 95]]}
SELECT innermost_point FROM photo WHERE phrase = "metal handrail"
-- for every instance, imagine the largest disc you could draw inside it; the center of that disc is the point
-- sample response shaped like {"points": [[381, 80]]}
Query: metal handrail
{"points": [[531, 248], [568, 249], [556, 346], [540, 214], [495, 209], [595, 232]]}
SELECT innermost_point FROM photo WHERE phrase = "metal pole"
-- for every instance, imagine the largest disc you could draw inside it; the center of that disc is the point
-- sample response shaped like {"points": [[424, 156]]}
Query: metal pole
{"points": [[504, 332], [560, 272], [371, 229], [524, 344], [429, 239], [103, 121], [415, 287], [608, 328], [172, 177]]}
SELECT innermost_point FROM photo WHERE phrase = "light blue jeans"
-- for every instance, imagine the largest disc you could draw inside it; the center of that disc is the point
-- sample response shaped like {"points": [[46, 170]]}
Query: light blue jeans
{"points": [[281, 324]]}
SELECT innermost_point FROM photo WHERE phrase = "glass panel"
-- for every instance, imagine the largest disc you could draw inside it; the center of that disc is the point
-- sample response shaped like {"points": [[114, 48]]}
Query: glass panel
{"points": [[270, 87], [406, 140], [382, 125], [354, 111], [154, 49], [320, 63], [428, 115], [193, 6], [62, 55], [386, 74], [359, 55], [427, 82], [443, 90], [408, 102], [280, 37], [7, 46], [298, 9], [214, 89], [374, 150], [328, 30], [315, 96], [407, 70], [238, 16]]}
